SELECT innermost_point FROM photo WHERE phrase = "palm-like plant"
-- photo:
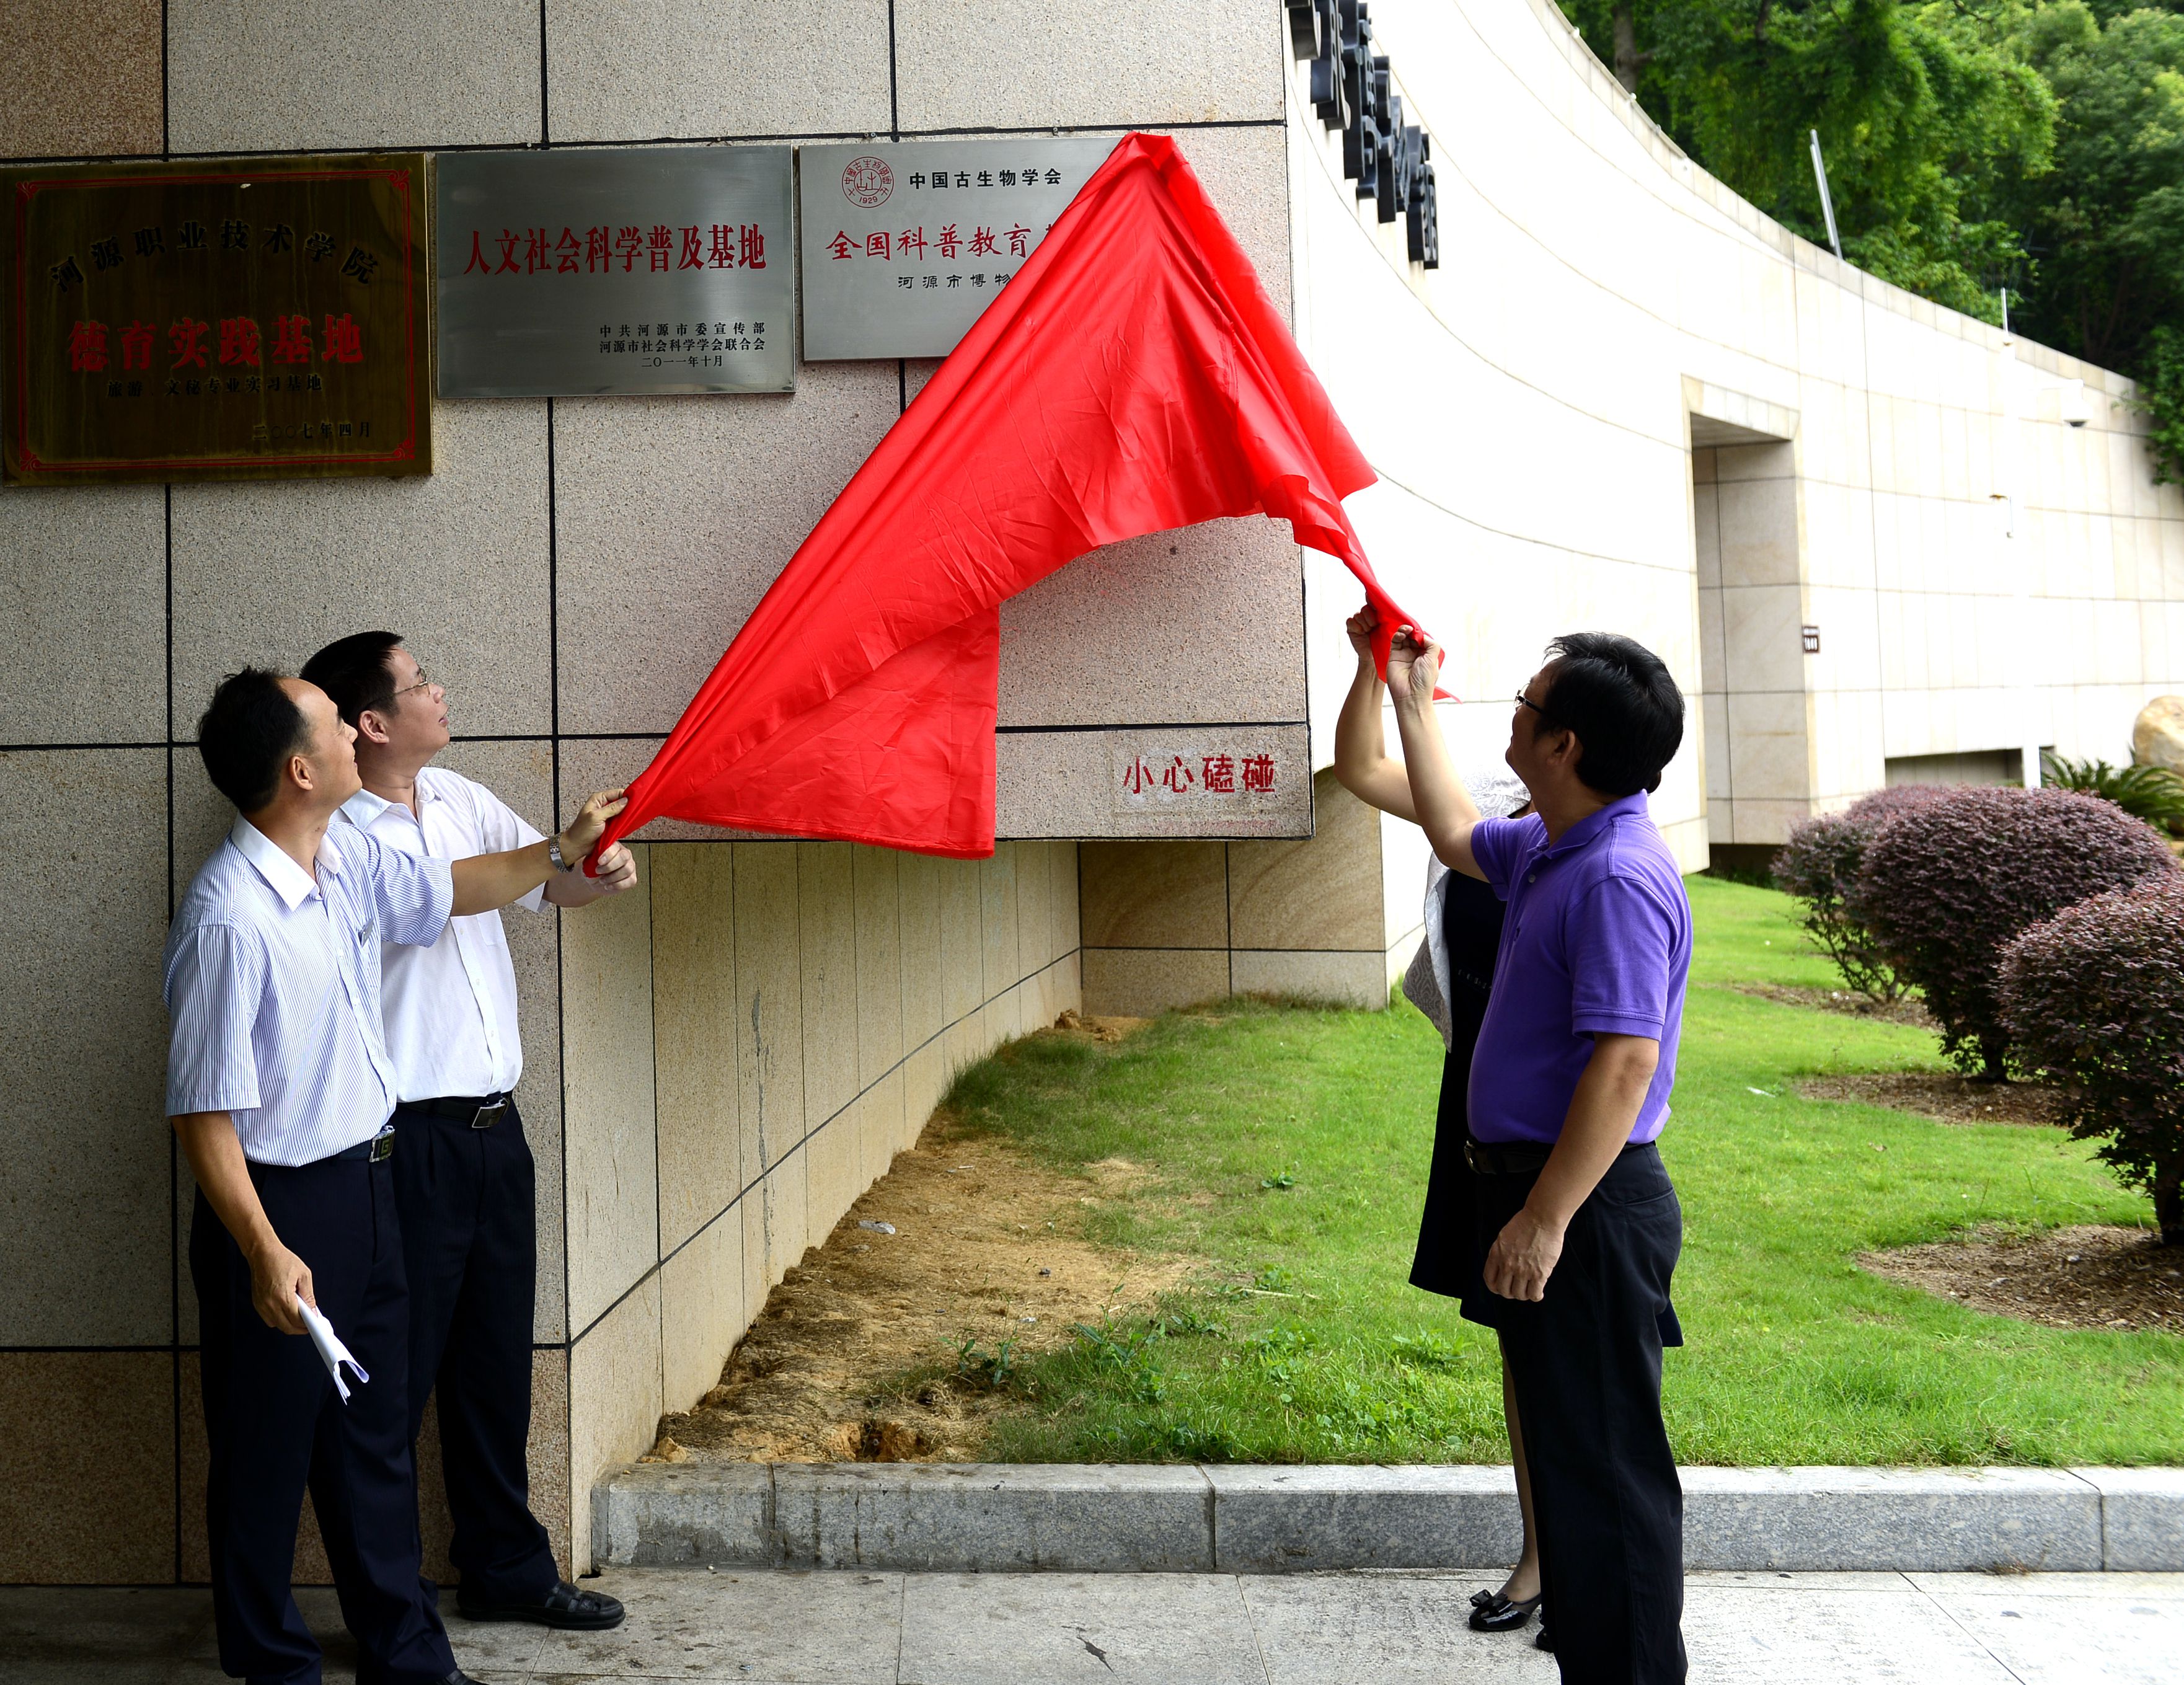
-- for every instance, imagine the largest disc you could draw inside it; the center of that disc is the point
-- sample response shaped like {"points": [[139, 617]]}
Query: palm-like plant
{"points": [[2153, 793]]}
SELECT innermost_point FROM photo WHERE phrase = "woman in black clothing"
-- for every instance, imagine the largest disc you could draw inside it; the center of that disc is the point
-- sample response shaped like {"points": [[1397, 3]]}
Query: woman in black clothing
{"points": [[1449, 981], [1451, 988]]}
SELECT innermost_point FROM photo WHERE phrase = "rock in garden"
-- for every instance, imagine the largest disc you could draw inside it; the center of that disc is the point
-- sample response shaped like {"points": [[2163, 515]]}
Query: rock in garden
{"points": [[2158, 737]]}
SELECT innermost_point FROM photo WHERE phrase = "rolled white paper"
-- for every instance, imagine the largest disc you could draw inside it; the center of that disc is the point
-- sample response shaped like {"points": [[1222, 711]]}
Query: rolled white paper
{"points": [[331, 1351]]}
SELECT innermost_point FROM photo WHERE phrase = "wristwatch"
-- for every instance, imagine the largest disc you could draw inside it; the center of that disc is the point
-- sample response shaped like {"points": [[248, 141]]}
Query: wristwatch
{"points": [[554, 853]]}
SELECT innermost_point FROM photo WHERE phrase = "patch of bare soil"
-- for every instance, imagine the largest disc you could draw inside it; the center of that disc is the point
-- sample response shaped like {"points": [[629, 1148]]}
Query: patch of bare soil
{"points": [[2091, 1277], [1944, 1096], [1909, 1010], [986, 1264], [1095, 1028]]}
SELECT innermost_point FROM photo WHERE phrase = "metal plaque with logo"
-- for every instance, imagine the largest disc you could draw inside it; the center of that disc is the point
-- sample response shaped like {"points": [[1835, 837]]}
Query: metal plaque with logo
{"points": [[258, 318], [615, 269], [905, 243]]}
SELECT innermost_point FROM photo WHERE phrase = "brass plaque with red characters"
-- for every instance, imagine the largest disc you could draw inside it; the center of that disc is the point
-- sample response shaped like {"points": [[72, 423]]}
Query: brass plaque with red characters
{"points": [[227, 319]]}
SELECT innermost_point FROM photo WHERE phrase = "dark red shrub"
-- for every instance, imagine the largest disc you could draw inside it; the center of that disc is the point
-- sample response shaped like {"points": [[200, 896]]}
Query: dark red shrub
{"points": [[2094, 996], [1819, 863], [1945, 884]]}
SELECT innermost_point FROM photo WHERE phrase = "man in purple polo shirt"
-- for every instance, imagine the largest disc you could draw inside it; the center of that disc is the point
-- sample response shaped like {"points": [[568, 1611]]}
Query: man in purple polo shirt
{"points": [[1577, 1219]]}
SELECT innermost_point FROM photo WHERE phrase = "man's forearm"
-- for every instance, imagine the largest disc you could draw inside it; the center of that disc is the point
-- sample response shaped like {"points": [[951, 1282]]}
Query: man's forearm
{"points": [[1445, 808], [1358, 738], [485, 882], [1361, 765], [215, 1154], [1602, 1112]]}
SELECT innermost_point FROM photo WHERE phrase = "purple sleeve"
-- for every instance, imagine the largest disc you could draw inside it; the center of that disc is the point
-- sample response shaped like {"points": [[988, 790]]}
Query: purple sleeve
{"points": [[1621, 943], [1497, 844]]}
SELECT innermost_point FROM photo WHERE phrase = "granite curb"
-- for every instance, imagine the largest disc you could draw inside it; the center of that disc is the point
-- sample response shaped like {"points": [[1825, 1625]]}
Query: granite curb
{"points": [[1125, 1518]]}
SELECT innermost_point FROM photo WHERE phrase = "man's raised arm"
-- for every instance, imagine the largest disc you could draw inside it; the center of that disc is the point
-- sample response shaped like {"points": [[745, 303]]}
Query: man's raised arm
{"points": [[485, 882], [1361, 763], [1445, 809]]}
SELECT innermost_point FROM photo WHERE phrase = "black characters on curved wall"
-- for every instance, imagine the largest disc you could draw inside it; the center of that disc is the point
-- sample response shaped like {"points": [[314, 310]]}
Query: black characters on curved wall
{"points": [[1391, 161]]}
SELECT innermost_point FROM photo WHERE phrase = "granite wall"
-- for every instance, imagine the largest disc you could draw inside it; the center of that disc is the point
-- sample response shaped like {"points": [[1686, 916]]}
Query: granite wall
{"points": [[718, 1063]]}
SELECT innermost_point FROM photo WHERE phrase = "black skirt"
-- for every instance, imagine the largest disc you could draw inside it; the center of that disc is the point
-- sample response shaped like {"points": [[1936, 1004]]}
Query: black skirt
{"points": [[1450, 1251]]}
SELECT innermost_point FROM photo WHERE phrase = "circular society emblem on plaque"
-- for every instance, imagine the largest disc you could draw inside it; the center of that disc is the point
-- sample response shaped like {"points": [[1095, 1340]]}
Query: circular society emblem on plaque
{"points": [[867, 182]]}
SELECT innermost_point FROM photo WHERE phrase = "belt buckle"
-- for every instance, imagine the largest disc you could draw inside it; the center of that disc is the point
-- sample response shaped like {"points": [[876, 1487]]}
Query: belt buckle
{"points": [[487, 1116], [1471, 1158], [382, 1145]]}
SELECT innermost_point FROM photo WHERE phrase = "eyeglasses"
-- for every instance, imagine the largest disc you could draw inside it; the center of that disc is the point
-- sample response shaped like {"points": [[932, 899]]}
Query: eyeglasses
{"points": [[1524, 701], [424, 683]]}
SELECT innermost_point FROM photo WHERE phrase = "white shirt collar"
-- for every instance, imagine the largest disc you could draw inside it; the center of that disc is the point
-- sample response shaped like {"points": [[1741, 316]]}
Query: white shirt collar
{"points": [[363, 809], [286, 879]]}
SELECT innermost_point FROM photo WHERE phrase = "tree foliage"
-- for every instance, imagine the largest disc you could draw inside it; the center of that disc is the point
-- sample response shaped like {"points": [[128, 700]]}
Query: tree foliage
{"points": [[2107, 223], [1925, 122], [2106, 226], [1972, 146]]}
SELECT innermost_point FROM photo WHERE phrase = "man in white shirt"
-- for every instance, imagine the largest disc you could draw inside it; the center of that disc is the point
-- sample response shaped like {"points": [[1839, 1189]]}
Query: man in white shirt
{"points": [[465, 1181], [279, 1086]]}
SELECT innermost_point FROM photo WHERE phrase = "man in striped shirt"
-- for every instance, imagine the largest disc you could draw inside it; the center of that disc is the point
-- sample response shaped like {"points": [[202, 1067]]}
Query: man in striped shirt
{"points": [[279, 1086]]}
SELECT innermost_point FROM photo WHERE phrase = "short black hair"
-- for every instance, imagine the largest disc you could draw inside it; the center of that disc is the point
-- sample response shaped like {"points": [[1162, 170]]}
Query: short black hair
{"points": [[1623, 703], [250, 729], [353, 670]]}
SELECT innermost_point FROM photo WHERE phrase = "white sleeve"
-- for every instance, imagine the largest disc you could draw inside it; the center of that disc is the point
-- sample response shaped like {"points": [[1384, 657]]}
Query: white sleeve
{"points": [[501, 828]]}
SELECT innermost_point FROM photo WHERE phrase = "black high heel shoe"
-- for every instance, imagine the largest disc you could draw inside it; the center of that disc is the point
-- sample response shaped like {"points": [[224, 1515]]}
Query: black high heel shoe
{"points": [[1491, 1612]]}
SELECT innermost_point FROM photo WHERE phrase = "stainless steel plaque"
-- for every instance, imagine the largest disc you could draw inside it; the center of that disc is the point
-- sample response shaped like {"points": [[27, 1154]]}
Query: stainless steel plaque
{"points": [[905, 243], [615, 269]]}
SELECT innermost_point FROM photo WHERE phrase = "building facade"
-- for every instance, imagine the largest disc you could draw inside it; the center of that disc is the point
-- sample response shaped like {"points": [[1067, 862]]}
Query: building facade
{"points": [[1623, 398]]}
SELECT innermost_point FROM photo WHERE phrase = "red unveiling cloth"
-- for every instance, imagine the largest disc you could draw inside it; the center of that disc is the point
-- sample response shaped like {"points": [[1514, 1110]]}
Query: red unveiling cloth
{"points": [[1132, 377]]}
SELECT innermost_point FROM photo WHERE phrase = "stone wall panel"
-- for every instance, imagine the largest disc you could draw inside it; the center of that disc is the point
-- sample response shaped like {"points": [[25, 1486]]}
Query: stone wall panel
{"points": [[275, 76], [699, 69], [87, 1475], [83, 611], [608, 1077], [267, 572], [694, 1036], [1013, 63], [84, 1202]]}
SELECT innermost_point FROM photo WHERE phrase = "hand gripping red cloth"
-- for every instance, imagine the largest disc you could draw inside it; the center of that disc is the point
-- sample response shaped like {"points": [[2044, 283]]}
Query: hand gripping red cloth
{"points": [[1132, 377]]}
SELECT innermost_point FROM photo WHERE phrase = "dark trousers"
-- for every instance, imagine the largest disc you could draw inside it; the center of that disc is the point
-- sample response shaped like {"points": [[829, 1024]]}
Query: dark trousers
{"points": [[1586, 1362], [469, 1231], [274, 1424]]}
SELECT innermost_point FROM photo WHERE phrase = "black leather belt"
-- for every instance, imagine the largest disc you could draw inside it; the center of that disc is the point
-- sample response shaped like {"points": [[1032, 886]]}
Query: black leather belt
{"points": [[480, 1112], [380, 1146], [1506, 1158], [1517, 1158]]}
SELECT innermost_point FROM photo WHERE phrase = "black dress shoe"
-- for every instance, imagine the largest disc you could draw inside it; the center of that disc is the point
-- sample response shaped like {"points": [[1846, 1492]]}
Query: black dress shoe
{"points": [[458, 1678], [1499, 1613], [565, 1606], [1541, 1640]]}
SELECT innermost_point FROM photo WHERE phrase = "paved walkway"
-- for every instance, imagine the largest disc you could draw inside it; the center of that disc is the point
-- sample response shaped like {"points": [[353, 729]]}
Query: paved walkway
{"points": [[848, 1628]]}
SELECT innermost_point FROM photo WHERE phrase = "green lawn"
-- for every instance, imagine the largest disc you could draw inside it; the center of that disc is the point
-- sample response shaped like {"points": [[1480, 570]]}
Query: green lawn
{"points": [[1310, 1130]]}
